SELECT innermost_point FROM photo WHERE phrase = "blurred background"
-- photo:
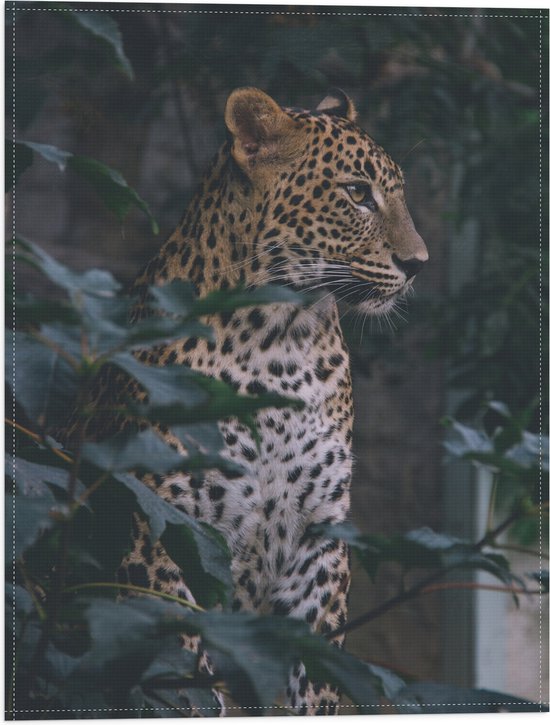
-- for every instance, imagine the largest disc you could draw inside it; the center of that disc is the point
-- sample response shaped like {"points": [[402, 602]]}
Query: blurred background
{"points": [[454, 97]]}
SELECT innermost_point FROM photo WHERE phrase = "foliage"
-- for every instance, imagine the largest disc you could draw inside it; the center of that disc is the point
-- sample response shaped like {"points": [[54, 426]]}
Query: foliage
{"points": [[77, 647], [70, 634]]}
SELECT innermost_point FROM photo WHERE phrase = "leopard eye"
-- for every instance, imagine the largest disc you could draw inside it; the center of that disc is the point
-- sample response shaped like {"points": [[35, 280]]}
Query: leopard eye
{"points": [[361, 194]]}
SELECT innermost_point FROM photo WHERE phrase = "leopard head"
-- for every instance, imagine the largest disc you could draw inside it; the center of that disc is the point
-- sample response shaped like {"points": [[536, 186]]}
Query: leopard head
{"points": [[329, 203]]}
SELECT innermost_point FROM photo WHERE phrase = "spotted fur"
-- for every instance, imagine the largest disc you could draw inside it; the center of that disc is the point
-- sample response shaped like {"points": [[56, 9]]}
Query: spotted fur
{"points": [[305, 199]]}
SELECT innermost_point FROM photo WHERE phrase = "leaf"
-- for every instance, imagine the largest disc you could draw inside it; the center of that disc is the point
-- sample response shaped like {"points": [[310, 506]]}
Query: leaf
{"points": [[465, 440], [125, 640], [532, 452], [109, 184], [19, 599], [223, 403], [390, 683], [31, 478], [435, 698], [421, 548], [542, 578], [104, 27], [112, 188], [176, 297], [107, 322], [32, 312], [50, 153], [26, 519], [145, 451], [254, 655], [43, 382], [166, 384], [204, 558], [204, 436], [22, 157], [94, 281], [197, 548]]}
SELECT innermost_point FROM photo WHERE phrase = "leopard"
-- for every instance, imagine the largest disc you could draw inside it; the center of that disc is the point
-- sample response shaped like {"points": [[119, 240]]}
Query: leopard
{"points": [[303, 199]]}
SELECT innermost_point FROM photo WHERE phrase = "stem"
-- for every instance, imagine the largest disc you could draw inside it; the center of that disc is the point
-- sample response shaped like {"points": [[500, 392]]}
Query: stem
{"points": [[141, 590], [73, 362], [38, 439], [521, 550], [474, 585], [90, 490], [492, 500], [30, 589]]}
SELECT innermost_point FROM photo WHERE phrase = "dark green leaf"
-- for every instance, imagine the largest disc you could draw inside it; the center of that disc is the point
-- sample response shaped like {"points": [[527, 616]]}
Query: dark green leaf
{"points": [[466, 440], [17, 159], [50, 153], [125, 640], [166, 384], [111, 187], [145, 451], [223, 402], [156, 330], [107, 322], [28, 518], [421, 548], [200, 550], [205, 436], [254, 655], [104, 27], [94, 281], [19, 599], [542, 578], [31, 478], [109, 184], [204, 558], [176, 297], [45, 384], [32, 312], [436, 698], [531, 452]]}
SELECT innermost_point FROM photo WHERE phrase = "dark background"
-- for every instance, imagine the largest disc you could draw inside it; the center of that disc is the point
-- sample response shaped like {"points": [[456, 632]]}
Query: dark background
{"points": [[452, 95]]}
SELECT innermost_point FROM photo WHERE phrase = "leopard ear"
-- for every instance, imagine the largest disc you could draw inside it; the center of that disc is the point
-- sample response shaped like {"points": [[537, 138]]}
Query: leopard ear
{"points": [[337, 103], [260, 128]]}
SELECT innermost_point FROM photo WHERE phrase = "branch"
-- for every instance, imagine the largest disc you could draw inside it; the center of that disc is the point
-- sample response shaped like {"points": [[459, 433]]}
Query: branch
{"points": [[474, 585], [133, 588], [38, 439], [418, 588]]}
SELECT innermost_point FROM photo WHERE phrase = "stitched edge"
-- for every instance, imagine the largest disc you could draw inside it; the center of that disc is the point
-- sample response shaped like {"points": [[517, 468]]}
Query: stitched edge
{"points": [[286, 12], [279, 707], [540, 345], [14, 577], [540, 16]]}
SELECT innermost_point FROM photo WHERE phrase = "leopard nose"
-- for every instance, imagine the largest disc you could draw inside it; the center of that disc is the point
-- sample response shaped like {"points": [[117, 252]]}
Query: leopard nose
{"points": [[409, 266]]}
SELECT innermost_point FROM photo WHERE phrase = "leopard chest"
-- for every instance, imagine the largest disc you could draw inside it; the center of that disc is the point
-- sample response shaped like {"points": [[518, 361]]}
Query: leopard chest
{"points": [[300, 472]]}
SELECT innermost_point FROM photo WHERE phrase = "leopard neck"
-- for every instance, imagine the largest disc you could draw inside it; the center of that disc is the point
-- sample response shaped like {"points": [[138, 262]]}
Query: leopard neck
{"points": [[221, 237]]}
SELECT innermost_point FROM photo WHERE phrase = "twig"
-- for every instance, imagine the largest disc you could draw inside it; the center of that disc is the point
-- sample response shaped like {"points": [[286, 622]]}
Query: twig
{"points": [[521, 550], [133, 588], [38, 439], [474, 585], [73, 362], [30, 589]]}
